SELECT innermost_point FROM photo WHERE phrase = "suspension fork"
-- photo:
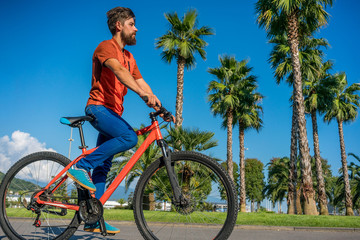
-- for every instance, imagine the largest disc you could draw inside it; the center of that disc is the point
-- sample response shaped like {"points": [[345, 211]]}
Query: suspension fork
{"points": [[170, 171]]}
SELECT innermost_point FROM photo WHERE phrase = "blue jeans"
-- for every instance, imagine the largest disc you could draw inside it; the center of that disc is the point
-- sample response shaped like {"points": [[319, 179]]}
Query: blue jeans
{"points": [[115, 135]]}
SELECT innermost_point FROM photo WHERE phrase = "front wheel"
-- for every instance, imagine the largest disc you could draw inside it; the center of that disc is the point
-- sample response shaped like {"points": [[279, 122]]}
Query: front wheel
{"points": [[211, 205]]}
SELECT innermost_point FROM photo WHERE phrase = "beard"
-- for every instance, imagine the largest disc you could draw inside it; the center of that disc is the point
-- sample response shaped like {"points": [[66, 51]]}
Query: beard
{"points": [[129, 39]]}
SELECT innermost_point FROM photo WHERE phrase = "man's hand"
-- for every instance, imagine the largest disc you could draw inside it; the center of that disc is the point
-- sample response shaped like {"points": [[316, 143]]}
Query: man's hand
{"points": [[166, 118], [172, 119], [150, 99]]}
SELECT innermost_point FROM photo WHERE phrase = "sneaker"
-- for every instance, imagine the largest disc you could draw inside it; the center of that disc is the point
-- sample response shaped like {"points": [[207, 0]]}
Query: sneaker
{"points": [[96, 228], [81, 177]]}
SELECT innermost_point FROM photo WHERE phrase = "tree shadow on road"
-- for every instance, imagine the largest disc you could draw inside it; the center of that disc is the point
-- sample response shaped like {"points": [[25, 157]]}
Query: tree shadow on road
{"points": [[84, 236], [92, 236]]}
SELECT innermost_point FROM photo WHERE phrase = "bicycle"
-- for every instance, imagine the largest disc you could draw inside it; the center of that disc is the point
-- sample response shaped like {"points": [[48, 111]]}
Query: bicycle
{"points": [[52, 206]]}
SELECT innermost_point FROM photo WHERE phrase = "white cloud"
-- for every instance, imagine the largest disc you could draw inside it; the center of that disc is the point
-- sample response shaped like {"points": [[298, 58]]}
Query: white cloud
{"points": [[17, 146]]}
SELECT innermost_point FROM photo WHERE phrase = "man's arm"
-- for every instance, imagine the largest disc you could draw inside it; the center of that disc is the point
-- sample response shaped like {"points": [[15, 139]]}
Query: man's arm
{"points": [[143, 85], [141, 82], [140, 86]]}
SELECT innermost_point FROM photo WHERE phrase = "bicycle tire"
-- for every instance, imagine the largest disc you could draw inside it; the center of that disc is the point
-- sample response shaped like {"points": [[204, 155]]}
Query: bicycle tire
{"points": [[193, 221], [16, 228]]}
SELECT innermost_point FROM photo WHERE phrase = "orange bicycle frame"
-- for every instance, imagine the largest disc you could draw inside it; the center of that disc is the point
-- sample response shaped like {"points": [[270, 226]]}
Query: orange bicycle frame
{"points": [[155, 134]]}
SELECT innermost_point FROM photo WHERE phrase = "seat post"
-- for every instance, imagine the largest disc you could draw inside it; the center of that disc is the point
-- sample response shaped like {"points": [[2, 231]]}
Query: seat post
{"points": [[81, 137]]}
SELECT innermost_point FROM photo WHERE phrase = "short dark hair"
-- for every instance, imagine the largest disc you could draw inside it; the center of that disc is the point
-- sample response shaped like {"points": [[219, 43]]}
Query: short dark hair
{"points": [[120, 14]]}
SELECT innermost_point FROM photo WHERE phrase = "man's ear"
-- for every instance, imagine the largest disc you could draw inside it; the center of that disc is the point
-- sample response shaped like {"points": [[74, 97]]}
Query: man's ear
{"points": [[119, 26]]}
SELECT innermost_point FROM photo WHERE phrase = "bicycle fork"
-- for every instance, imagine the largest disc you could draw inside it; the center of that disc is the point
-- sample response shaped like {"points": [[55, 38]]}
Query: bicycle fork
{"points": [[178, 198]]}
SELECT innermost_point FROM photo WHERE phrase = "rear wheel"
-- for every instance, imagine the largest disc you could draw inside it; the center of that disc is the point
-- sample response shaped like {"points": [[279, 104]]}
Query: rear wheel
{"points": [[211, 207], [28, 176]]}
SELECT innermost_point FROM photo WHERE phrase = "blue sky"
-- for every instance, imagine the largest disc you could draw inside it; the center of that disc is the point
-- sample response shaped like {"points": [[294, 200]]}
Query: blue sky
{"points": [[45, 65]]}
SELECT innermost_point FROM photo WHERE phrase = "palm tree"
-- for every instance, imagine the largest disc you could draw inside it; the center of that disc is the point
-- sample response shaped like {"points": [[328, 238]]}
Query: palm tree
{"points": [[355, 177], [333, 190], [185, 139], [315, 93], [223, 98], [278, 178], [279, 17], [318, 89], [344, 109], [181, 43], [293, 176], [248, 116], [224, 94], [340, 199]]}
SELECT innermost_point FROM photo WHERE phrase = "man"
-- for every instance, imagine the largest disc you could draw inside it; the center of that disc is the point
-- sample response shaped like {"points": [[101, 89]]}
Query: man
{"points": [[114, 71]]}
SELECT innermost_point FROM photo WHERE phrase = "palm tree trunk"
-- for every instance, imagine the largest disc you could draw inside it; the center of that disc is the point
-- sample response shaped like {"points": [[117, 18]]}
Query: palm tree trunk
{"points": [[299, 210], [348, 197], [292, 171], [242, 169], [309, 193], [229, 126], [279, 206], [179, 94], [152, 201], [318, 164], [299, 189]]}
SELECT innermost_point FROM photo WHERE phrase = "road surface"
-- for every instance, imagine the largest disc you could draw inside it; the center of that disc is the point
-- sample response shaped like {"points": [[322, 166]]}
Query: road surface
{"points": [[130, 232]]}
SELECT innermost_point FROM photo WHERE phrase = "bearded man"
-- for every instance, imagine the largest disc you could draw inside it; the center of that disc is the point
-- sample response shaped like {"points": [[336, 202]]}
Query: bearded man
{"points": [[114, 70]]}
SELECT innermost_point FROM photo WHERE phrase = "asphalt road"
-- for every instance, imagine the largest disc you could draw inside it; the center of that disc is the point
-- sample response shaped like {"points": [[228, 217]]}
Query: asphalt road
{"points": [[130, 232]]}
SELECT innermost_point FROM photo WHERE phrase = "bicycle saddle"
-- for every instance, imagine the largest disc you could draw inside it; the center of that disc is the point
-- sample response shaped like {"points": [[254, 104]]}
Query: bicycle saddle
{"points": [[73, 121]]}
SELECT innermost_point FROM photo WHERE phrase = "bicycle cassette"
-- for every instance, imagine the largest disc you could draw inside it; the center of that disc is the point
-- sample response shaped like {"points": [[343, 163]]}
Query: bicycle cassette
{"points": [[91, 210]]}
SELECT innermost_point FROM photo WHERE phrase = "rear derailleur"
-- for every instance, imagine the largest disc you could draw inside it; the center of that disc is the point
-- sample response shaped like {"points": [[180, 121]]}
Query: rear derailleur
{"points": [[38, 208]]}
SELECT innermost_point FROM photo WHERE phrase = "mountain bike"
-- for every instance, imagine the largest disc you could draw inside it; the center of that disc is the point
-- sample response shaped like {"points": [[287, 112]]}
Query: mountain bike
{"points": [[181, 193]]}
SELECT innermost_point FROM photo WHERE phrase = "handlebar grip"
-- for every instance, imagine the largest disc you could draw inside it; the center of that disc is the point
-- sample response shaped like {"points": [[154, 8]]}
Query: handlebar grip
{"points": [[162, 110], [146, 99]]}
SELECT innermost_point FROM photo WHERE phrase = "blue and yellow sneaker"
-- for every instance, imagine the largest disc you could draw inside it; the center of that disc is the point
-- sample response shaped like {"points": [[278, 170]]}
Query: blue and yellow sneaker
{"points": [[81, 177], [96, 228]]}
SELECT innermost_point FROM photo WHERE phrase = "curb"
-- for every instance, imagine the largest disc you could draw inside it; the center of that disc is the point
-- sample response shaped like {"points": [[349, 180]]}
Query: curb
{"points": [[289, 228], [260, 227], [272, 228]]}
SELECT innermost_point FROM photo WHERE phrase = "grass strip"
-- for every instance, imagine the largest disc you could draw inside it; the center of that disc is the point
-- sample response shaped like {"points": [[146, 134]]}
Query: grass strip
{"points": [[273, 219], [265, 219]]}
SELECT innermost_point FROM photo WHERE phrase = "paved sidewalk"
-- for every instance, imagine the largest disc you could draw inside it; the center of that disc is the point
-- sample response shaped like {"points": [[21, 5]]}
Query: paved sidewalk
{"points": [[244, 232], [129, 231]]}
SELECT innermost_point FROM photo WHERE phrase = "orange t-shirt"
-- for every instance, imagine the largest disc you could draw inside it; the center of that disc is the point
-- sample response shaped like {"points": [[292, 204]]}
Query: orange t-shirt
{"points": [[106, 89]]}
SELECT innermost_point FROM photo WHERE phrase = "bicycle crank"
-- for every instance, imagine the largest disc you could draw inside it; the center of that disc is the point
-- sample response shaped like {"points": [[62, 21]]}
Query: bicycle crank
{"points": [[91, 210]]}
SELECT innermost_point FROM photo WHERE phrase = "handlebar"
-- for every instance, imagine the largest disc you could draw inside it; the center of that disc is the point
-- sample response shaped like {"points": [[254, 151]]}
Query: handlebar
{"points": [[162, 110]]}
